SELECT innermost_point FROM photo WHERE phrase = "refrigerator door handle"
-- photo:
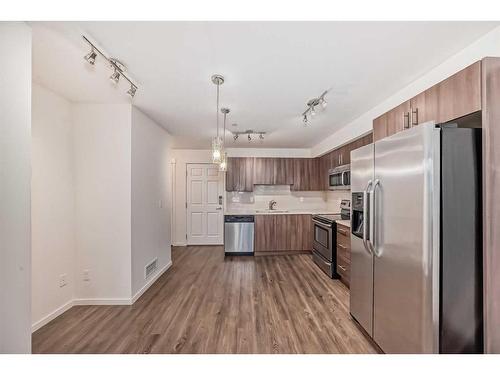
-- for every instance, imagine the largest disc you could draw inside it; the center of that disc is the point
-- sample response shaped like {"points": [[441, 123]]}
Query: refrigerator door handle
{"points": [[373, 231], [365, 217]]}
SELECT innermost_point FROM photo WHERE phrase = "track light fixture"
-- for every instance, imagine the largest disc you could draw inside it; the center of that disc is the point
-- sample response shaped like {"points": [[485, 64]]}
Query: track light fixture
{"points": [[249, 134], [91, 56], [311, 107], [118, 67], [115, 77], [132, 91]]}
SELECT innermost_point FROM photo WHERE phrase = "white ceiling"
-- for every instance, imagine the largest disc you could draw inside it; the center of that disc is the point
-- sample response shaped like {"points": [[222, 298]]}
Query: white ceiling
{"points": [[271, 70]]}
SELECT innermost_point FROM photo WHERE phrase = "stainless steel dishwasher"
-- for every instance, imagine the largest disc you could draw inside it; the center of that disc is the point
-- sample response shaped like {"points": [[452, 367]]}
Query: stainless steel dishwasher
{"points": [[238, 234]]}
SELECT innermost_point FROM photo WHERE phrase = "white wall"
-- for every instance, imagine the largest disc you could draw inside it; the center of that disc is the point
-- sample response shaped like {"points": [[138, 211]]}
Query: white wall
{"points": [[52, 204], [102, 146], [488, 45], [150, 198], [15, 176]]}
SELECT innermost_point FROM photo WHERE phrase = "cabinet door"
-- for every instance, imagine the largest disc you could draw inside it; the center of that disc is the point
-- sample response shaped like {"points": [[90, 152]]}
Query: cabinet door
{"points": [[398, 119], [324, 162], [380, 127], [306, 230], [283, 171], [424, 107], [298, 175], [232, 174], [265, 233], [460, 94], [281, 232], [299, 236], [313, 180], [246, 174], [239, 174], [263, 171]]}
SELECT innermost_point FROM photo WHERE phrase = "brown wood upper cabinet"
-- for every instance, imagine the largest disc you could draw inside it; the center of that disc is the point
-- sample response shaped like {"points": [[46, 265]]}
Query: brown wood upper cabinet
{"points": [[239, 174], [306, 175], [455, 97], [273, 171]]}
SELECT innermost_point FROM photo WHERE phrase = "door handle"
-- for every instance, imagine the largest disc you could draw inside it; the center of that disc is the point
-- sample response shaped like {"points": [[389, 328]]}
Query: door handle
{"points": [[365, 217], [414, 112], [406, 120], [343, 268], [219, 208], [373, 225]]}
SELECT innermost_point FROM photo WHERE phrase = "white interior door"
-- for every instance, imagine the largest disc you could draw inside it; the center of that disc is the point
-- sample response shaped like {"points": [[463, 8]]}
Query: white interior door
{"points": [[205, 219]]}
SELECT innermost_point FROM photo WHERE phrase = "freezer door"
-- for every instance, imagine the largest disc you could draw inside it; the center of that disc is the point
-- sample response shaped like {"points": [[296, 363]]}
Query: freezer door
{"points": [[406, 243], [361, 282]]}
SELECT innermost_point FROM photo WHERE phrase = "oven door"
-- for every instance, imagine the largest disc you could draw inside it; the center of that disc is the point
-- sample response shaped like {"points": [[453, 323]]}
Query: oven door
{"points": [[323, 239]]}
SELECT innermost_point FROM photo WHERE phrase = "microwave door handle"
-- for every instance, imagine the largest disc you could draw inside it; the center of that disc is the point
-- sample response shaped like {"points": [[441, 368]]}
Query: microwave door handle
{"points": [[365, 217], [343, 182], [373, 228]]}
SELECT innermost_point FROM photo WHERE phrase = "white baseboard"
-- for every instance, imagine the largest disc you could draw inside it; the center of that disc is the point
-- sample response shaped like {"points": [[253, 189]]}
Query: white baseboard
{"points": [[151, 282], [54, 314], [179, 244], [101, 301], [98, 301]]}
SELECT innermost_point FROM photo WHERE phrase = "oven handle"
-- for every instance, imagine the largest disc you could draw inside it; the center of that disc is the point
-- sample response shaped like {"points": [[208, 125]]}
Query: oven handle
{"points": [[365, 217], [322, 225]]}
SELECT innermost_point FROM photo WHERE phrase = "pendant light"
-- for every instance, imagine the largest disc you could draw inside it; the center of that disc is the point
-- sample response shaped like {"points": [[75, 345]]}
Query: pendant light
{"points": [[217, 141], [223, 160]]}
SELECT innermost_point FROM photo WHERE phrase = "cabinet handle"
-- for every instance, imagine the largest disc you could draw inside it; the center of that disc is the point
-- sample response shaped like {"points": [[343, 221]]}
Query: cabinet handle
{"points": [[414, 112], [342, 268], [341, 231], [406, 120], [341, 246]]}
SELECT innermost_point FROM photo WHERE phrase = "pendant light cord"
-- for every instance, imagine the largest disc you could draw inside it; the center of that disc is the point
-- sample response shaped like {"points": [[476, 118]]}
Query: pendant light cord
{"points": [[217, 113]]}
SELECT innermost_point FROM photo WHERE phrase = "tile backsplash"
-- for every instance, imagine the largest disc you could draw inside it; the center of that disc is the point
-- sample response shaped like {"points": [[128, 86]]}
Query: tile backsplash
{"points": [[285, 199]]}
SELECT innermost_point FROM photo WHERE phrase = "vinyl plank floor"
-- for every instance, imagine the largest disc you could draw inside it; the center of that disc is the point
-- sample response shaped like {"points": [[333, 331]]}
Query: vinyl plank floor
{"points": [[208, 303]]}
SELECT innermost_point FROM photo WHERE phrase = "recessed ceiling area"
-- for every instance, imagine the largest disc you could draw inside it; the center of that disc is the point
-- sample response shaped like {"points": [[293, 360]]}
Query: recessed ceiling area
{"points": [[271, 70]]}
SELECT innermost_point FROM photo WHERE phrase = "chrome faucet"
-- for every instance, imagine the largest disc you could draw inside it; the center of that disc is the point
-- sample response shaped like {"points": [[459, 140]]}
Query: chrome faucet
{"points": [[272, 203]]}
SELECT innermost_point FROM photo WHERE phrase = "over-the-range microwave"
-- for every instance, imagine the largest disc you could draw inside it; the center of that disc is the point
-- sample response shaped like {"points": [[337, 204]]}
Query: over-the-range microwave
{"points": [[339, 178]]}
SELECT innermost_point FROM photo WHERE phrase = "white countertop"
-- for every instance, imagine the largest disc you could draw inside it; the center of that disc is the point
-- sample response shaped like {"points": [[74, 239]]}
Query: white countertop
{"points": [[288, 212], [346, 223]]}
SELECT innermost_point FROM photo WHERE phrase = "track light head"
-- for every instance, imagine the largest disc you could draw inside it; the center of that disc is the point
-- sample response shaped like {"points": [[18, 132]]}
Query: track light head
{"points": [[313, 112], [90, 57], [305, 120], [261, 136], [235, 136], [132, 91], [249, 138], [323, 103], [115, 77]]}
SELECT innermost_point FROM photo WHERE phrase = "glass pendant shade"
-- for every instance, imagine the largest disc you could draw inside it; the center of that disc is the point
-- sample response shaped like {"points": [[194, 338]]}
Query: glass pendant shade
{"points": [[223, 162], [216, 150]]}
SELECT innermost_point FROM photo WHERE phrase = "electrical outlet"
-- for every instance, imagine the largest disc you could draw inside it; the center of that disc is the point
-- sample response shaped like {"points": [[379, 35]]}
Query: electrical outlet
{"points": [[63, 280], [86, 275]]}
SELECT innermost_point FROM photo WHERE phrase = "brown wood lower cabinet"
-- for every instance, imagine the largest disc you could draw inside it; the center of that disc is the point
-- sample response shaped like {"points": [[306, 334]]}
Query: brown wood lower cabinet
{"points": [[283, 233], [344, 253]]}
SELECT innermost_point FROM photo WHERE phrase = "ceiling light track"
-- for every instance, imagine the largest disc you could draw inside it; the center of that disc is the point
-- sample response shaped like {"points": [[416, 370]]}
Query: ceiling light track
{"points": [[119, 68], [311, 107], [249, 134]]}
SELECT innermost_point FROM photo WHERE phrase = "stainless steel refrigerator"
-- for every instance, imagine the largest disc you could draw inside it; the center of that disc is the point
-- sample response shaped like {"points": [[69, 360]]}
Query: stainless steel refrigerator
{"points": [[416, 262]]}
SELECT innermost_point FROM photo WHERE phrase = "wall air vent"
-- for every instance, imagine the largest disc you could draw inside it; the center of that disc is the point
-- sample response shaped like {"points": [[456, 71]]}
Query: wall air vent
{"points": [[150, 268]]}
